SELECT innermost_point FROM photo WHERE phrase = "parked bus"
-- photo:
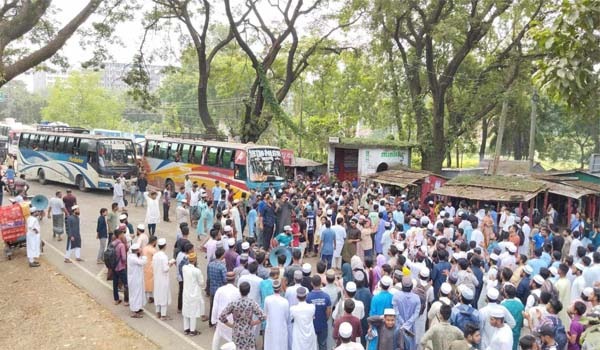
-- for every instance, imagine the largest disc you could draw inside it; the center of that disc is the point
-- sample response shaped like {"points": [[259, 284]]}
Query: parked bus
{"points": [[73, 156], [138, 139], [169, 158]]}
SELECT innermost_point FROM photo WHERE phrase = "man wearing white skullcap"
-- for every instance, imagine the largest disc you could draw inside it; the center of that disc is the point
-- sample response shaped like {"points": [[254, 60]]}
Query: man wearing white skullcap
{"points": [[345, 333], [487, 330], [135, 280], [162, 291], [389, 334], [463, 312], [444, 299], [33, 237], [503, 338]]}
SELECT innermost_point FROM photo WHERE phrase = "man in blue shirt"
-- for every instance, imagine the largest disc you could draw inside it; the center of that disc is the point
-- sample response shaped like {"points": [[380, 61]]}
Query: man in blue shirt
{"points": [[322, 304], [327, 244], [437, 275], [216, 196], [267, 221], [536, 263]]}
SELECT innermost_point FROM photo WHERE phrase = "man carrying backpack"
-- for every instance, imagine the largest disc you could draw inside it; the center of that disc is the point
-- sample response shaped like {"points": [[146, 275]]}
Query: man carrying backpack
{"points": [[116, 260], [546, 334], [463, 312]]}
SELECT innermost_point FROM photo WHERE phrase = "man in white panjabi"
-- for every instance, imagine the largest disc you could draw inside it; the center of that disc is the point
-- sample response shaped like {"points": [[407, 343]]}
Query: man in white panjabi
{"points": [[237, 220], [277, 310], [33, 237], [223, 296], [302, 315], [193, 302], [503, 338], [135, 280], [118, 193], [162, 291]]}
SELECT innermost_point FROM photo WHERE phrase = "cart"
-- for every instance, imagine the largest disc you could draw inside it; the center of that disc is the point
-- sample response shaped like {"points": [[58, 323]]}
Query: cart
{"points": [[13, 227]]}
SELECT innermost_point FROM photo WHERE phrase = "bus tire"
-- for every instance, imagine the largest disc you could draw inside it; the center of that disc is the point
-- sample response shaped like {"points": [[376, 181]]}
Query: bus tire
{"points": [[80, 182], [42, 177], [171, 184]]}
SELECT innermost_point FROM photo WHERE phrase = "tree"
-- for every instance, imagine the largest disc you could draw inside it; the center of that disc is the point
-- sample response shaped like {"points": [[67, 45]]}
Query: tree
{"points": [[433, 43], [279, 39], [20, 104], [29, 35], [80, 101]]}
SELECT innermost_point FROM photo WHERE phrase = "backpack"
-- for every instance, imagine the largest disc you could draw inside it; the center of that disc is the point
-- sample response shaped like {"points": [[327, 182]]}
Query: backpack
{"points": [[560, 333], [422, 293], [110, 257], [465, 316]]}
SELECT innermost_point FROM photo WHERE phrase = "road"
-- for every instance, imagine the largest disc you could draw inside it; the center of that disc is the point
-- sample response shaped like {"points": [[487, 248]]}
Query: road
{"points": [[91, 276]]}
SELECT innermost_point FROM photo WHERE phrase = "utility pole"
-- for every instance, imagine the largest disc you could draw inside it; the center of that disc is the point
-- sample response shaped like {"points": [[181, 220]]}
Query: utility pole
{"points": [[301, 110], [534, 101], [500, 135]]}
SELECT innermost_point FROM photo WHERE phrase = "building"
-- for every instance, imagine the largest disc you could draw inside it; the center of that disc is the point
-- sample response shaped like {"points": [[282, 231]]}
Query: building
{"points": [[352, 158], [114, 73], [43, 80]]}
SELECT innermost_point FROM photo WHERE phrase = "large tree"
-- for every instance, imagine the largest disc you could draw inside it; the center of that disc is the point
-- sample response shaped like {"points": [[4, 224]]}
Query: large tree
{"points": [[433, 40], [20, 104]]}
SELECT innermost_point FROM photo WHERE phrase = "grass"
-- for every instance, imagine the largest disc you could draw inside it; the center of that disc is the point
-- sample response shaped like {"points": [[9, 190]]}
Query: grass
{"points": [[499, 182], [472, 161]]}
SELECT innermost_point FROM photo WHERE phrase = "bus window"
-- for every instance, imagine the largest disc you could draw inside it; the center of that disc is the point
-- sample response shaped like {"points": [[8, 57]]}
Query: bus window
{"points": [[239, 172], [196, 157], [226, 158], [76, 143], [50, 143], [211, 157], [173, 152], [24, 140], [149, 151], [70, 145], [43, 142], [184, 152], [34, 142], [60, 144], [83, 146], [163, 148]]}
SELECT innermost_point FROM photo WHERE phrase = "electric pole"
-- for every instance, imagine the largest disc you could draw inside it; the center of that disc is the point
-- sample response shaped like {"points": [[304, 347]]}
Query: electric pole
{"points": [[499, 137]]}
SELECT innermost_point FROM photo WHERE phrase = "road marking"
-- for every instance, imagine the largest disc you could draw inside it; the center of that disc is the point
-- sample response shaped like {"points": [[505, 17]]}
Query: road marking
{"points": [[147, 314]]}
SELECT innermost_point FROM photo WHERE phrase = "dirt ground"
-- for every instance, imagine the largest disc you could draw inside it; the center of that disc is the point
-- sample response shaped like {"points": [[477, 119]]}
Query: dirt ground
{"points": [[41, 309]]}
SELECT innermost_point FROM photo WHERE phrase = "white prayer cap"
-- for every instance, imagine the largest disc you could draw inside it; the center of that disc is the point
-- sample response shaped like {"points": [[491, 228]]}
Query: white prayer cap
{"points": [[287, 228], [493, 294], [538, 279], [430, 226], [34, 209], [497, 313], [528, 269], [512, 247], [446, 288], [525, 218], [306, 268], [351, 287], [121, 217], [494, 256], [553, 270], [161, 241], [424, 220], [579, 266], [386, 281], [236, 201], [467, 293], [245, 246], [345, 330], [227, 228], [135, 246], [77, 207], [329, 212], [231, 242], [226, 211], [389, 312], [424, 273], [141, 227]]}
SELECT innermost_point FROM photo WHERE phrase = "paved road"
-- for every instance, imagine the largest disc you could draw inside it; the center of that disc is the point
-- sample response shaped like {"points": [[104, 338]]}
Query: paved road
{"points": [[92, 277]]}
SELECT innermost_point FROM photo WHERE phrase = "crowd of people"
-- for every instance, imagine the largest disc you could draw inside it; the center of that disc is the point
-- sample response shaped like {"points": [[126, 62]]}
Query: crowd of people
{"points": [[348, 266]]}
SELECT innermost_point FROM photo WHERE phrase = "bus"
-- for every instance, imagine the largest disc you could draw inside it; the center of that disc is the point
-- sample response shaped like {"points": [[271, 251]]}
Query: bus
{"points": [[73, 156], [169, 158], [138, 139]]}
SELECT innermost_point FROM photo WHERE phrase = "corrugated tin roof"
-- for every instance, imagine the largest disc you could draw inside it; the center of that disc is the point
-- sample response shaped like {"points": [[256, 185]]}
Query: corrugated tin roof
{"points": [[568, 189], [399, 177], [501, 182], [299, 162], [485, 194]]}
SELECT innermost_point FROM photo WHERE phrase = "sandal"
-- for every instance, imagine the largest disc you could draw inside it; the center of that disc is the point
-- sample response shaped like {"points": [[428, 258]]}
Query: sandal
{"points": [[204, 318], [136, 315], [117, 302], [194, 333], [165, 318]]}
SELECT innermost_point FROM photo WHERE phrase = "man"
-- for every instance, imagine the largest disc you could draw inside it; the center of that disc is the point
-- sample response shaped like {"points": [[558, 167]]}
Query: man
{"points": [[503, 337], [346, 332], [217, 273], [487, 330], [442, 333], [193, 301], [302, 315], [135, 281], [578, 283], [112, 220], [350, 319], [101, 234], [390, 333], [353, 237], [33, 236], [142, 184], [407, 306], [237, 219], [516, 308], [277, 311], [322, 304], [546, 336], [246, 314], [70, 200], [162, 291], [231, 256], [73, 235], [328, 242], [266, 221], [471, 340], [216, 196], [118, 193], [523, 286], [291, 290], [293, 267], [119, 273], [57, 211], [148, 252], [444, 299], [383, 299], [223, 296], [463, 312], [340, 237], [253, 280], [141, 236], [440, 271], [592, 274], [563, 285]]}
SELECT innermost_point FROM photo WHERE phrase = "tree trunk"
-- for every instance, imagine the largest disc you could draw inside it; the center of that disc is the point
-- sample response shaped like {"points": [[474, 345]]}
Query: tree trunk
{"points": [[395, 92], [457, 155], [203, 112], [449, 159], [595, 130], [485, 123]]}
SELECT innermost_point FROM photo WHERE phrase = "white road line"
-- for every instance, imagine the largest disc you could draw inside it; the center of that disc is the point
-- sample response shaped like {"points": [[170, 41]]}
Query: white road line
{"points": [[146, 314]]}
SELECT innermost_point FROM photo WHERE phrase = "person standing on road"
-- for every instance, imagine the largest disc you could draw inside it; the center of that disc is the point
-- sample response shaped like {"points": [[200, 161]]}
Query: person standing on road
{"points": [[33, 237], [101, 234], [266, 222], [118, 193], [142, 185], [135, 280], [69, 200], [223, 296], [193, 302], [162, 290], [148, 251], [152, 211], [166, 200], [57, 211], [277, 310], [302, 316], [246, 314], [141, 237], [73, 235], [120, 271], [113, 220]]}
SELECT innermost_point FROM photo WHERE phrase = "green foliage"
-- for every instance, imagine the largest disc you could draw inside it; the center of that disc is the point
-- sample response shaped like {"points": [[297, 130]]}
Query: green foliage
{"points": [[20, 104], [80, 101]]}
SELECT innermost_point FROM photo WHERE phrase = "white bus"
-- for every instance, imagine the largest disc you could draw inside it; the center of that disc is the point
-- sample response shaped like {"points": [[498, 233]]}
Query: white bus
{"points": [[73, 156]]}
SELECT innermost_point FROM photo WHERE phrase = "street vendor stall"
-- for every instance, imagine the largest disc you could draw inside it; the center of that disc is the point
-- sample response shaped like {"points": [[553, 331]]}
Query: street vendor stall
{"points": [[417, 183]]}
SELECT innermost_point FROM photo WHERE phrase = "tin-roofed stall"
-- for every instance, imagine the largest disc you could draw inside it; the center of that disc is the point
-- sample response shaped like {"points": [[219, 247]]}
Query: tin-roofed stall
{"points": [[419, 182]]}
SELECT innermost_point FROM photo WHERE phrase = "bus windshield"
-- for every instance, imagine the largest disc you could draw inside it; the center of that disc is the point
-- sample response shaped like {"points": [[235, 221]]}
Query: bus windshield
{"points": [[265, 165], [116, 153]]}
